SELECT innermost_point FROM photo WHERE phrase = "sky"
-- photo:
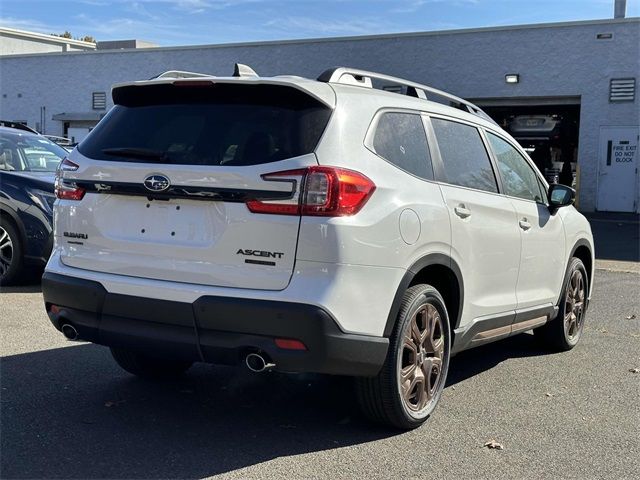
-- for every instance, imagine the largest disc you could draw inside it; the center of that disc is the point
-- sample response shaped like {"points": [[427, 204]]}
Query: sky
{"points": [[195, 22]]}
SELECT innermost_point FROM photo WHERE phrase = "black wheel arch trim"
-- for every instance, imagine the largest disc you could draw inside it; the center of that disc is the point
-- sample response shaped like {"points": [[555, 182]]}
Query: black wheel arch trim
{"points": [[426, 261], [583, 242]]}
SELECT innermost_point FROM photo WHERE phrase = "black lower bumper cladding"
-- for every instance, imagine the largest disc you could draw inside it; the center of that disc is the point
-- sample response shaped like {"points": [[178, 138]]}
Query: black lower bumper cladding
{"points": [[221, 330]]}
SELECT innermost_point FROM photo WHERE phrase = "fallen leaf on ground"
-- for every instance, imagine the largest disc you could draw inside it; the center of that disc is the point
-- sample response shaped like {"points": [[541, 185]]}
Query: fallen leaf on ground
{"points": [[494, 445], [634, 370], [630, 317]]}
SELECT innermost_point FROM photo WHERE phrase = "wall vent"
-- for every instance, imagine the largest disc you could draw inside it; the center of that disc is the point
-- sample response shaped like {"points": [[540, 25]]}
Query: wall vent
{"points": [[99, 100], [622, 90]]}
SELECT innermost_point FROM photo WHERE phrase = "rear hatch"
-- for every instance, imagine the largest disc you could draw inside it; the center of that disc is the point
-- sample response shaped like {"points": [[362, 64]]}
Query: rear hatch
{"points": [[166, 176]]}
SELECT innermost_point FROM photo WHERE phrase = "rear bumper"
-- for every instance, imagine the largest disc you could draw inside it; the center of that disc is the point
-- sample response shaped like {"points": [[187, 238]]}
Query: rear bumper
{"points": [[212, 329]]}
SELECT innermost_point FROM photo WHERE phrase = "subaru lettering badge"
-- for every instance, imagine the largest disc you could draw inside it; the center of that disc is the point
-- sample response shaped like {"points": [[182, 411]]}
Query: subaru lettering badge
{"points": [[156, 183]]}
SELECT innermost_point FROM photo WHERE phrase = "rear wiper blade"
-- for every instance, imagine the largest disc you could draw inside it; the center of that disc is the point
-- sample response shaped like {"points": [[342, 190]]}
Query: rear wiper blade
{"points": [[142, 153]]}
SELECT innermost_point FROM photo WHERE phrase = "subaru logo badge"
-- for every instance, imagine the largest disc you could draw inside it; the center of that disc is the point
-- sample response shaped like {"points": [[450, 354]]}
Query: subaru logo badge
{"points": [[156, 183]]}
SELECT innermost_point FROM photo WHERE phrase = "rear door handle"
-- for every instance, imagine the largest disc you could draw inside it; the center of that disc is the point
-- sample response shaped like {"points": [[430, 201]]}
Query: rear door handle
{"points": [[524, 224], [462, 211]]}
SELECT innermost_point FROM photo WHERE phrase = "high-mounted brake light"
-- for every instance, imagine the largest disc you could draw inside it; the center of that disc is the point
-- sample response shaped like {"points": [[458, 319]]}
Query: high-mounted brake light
{"points": [[193, 83], [318, 191]]}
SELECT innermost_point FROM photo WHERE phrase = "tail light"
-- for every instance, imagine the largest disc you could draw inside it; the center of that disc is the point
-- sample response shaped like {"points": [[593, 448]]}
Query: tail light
{"points": [[66, 190], [67, 165], [323, 192]]}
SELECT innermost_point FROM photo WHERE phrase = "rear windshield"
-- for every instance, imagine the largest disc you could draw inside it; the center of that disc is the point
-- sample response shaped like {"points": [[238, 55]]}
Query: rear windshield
{"points": [[217, 124]]}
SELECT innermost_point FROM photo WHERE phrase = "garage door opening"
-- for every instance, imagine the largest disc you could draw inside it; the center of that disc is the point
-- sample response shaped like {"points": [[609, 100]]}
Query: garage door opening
{"points": [[548, 129]]}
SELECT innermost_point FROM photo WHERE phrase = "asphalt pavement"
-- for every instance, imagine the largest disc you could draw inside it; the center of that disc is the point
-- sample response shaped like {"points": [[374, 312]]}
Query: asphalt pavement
{"points": [[67, 411], [617, 240]]}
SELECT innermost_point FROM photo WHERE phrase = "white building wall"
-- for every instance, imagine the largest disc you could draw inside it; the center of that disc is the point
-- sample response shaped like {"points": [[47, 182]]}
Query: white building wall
{"points": [[552, 60], [18, 42]]}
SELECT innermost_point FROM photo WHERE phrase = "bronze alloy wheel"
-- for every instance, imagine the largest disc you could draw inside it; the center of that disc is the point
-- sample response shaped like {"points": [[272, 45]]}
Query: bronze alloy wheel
{"points": [[574, 305], [408, 387], [6, 252], [563, 332], [421, 358]]}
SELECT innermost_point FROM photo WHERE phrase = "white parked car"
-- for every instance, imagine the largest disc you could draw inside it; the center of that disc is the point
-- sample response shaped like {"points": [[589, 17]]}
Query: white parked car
{"points": [[311, 226]]}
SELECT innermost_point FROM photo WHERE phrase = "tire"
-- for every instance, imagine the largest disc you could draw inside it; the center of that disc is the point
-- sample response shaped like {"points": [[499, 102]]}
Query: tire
{"points": [[382, 398], [11, 254], [146, 366], [564, 332]]}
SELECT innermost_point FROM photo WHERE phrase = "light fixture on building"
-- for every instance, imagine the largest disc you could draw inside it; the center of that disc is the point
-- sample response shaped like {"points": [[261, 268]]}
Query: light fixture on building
{"points": [[512, 78]]}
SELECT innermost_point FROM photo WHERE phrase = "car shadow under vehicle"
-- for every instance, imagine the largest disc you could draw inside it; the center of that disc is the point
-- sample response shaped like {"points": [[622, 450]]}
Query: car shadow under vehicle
{"points": [[472, 362], [70, 412], [28, 288]]}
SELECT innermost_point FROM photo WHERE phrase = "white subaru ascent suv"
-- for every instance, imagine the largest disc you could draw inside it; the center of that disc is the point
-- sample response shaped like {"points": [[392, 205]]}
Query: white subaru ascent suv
{"points": [[327, 225]]}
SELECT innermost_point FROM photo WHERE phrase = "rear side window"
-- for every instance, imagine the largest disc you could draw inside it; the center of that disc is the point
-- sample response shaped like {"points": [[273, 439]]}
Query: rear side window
{"points": [[466, 162], [518, 178], [400, 139], [217, 124]]}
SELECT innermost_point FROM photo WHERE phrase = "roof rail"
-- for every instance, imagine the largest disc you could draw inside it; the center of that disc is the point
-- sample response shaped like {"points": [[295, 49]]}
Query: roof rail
{"points": [[363, 78], [179, 74]]}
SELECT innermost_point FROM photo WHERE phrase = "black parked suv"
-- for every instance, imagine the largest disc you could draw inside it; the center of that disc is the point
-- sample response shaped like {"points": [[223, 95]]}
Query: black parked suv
{"points": [[28, 163]]}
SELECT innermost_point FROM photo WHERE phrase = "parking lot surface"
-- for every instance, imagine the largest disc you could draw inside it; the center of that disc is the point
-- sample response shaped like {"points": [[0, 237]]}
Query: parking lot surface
{"points": [[67, 411]]}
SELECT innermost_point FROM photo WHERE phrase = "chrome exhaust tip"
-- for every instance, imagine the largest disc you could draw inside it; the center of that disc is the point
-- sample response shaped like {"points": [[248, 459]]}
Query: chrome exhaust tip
{"points": [[257, 363], [70, 332]]}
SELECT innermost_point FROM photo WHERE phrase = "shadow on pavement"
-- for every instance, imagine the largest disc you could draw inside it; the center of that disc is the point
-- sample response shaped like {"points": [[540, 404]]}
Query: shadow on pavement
{"points": [[34, 288], [616, 236], [70, 412], [472, 362]]}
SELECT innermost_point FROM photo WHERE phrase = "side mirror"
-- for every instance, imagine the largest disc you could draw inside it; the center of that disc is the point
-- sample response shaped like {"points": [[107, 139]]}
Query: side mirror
{"points": [[560, 196]]}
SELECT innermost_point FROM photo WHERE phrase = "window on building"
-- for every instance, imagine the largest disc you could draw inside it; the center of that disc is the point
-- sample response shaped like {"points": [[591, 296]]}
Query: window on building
{"points": [[99, 100], [465, 160], [518, 178], [401, 140]]}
